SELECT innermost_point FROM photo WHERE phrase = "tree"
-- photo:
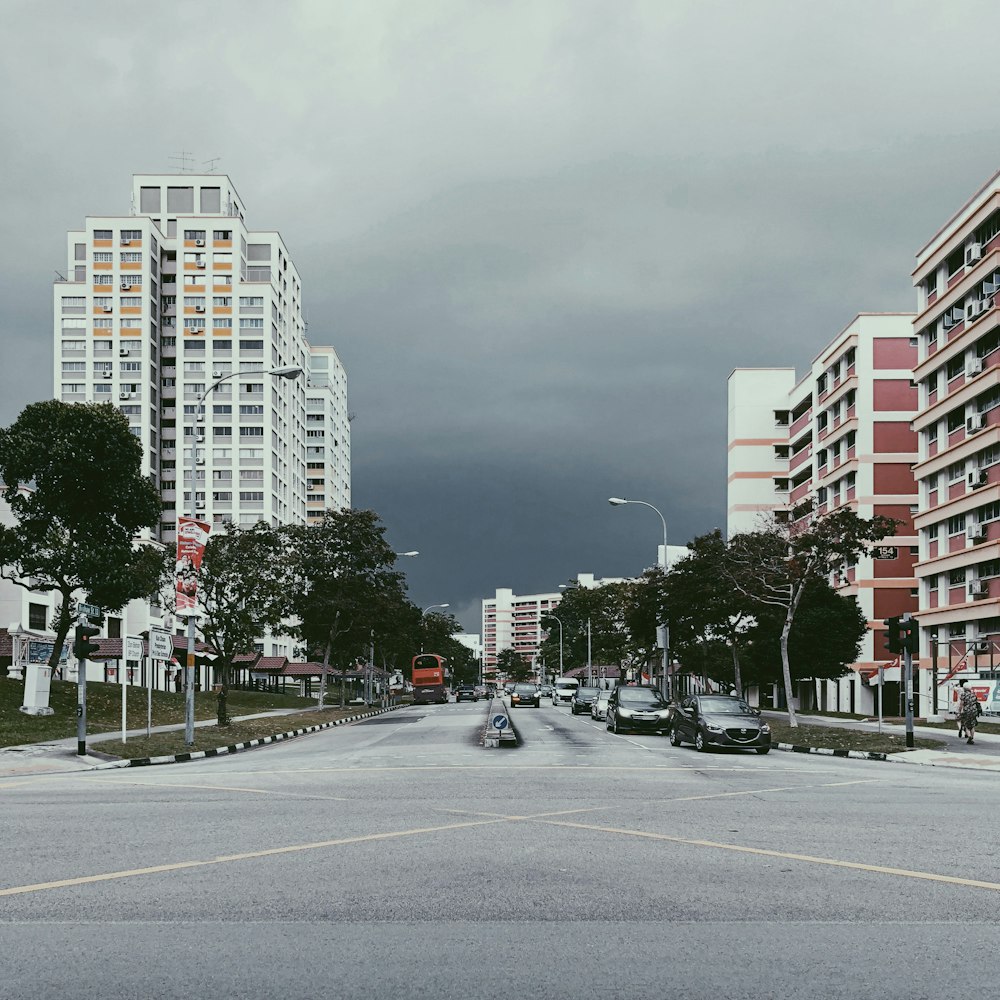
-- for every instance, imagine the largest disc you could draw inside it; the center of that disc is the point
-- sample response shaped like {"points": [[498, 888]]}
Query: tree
{"points": [[243, 588], [71, 473], [605, 609], [774, 566], [513, 665], [344, 585]]}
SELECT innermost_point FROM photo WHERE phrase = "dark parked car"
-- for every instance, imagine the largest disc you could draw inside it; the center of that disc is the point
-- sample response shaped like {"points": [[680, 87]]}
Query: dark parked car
{"points": [[583, 698], [525, 694], [642, 709], [715, 720], [466, 692]]}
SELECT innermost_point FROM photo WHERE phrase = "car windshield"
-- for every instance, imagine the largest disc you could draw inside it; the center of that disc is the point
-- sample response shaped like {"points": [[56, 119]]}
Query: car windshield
{"points": [[525, 689], [639, 698], [587, 692], [724, 706]]}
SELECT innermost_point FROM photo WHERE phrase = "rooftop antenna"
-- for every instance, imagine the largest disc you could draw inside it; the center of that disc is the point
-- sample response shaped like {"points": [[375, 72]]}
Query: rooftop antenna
{"points": [[209, 165], [182, 161]]}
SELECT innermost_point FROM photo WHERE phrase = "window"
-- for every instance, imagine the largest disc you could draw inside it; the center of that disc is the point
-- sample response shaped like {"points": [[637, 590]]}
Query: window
{"points": [[74, 366], [956, 577], [956, 419], [103, 257], [131, 301], [956, 471], [180, 199], [222, 234], [133, 257], [955, 367], [194, 234], [102, 234], [251, 496], [956, 524], [248, 432], [222, 300], [251, 453], [131, 366], [251, 410], [132, 234], [251, 323], [38, 616]]}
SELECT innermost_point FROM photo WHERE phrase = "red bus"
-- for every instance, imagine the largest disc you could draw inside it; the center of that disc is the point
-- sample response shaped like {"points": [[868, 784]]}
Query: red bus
{"points": [[428, 680]]}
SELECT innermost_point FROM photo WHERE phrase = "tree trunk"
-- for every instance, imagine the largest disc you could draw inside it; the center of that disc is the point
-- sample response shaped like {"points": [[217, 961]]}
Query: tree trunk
{"points": [[794, 596], [736, 666], [221, 712], [62, 630], [322, 676]]}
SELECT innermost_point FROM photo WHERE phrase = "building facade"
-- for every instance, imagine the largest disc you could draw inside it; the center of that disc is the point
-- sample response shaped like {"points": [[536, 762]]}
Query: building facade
{"points": [[159, 304], [957, 326], [840, 436]]}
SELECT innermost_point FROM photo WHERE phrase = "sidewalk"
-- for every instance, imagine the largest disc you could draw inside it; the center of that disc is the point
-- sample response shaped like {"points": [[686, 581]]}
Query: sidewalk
{"points": [[59, 756], [983, 755]]}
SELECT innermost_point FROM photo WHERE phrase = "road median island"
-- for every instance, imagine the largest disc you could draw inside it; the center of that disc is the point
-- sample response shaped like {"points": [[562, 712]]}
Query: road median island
{"points": [[498, 729], [169, 748]]}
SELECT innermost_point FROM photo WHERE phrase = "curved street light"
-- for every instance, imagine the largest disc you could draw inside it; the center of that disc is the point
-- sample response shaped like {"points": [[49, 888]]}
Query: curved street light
{"points": [[286, 371], [662, 631]]}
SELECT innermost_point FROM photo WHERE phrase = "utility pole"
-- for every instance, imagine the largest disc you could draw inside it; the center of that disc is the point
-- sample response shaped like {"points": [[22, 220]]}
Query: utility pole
{"points": [[590, 663], [910, 637]]}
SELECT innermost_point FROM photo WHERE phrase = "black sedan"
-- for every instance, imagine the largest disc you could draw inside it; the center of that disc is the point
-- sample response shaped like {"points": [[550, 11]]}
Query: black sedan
{"points": [[642, 709], [466, 692], [583, 698], [525, 694], [717, 721]]}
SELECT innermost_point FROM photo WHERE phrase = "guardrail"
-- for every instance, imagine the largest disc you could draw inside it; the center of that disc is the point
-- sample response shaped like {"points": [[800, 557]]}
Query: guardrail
{"points": [[499, 729]]}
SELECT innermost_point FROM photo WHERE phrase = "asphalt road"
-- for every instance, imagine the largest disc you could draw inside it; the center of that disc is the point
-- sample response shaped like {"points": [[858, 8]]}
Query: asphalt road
{"points": [[397, 858]]}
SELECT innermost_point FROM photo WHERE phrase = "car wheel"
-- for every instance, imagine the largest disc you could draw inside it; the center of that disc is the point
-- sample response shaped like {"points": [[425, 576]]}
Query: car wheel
{"points": [[613, 723], [675, 737], [763, 749], [699, 743]]}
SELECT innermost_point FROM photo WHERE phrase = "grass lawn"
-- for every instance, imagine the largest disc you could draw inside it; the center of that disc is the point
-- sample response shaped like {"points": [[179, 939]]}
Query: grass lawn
{"points": [[104, 711], [210, 737], [838, 738]]}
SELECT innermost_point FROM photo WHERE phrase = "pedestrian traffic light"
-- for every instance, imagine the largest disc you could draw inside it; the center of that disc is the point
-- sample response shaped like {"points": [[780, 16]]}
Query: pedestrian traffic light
{"points": [[84, 646], [893, 636], [909, 636]]}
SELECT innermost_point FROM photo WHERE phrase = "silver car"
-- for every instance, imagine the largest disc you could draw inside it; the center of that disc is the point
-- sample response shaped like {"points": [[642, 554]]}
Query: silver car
{"points": [[599, 706]]}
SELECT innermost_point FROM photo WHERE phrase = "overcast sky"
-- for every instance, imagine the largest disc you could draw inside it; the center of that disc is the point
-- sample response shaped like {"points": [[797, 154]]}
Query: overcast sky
{"points": [[539, 234]]}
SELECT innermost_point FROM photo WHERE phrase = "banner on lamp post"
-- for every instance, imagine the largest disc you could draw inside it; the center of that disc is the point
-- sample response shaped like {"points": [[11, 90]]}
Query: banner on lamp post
{"points": [[192, 535]]}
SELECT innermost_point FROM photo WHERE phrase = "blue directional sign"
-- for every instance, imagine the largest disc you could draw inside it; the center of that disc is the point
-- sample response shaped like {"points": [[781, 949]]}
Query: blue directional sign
{"points": [[499, 721]]}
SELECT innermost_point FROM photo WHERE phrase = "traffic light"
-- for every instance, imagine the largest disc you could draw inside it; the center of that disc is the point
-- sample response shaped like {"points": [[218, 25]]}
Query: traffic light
{"points": [[84, 646], [909, 636], [893, 637]]}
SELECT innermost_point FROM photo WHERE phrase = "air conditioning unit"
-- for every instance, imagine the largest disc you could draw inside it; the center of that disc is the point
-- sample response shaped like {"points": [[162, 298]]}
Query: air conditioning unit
{"points": [[979, 646], [973, 309], [124, 352], [200, 439], [199, 263], [200, 418], [126, 285], [124, 395], [199, 309], [106, 374], [199, 504], [977, 478], [199, 243], [973, 367], [106, 309], [199, 461], [975, 423], [978, 588], [975, 532], [125, 241], [973, 252], [216, 373]]}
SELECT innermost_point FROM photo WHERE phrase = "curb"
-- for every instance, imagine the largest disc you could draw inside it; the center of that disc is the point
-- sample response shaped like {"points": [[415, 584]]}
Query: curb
{"points": [[181, 758], [829, 752]]}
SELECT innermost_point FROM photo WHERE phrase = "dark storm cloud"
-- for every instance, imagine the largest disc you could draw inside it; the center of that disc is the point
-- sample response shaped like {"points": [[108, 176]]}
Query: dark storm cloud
{"points": [[540, 234]]}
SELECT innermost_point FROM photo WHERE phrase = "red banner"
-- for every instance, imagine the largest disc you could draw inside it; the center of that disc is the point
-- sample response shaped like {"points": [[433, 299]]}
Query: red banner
{"points": [[191, 538]]}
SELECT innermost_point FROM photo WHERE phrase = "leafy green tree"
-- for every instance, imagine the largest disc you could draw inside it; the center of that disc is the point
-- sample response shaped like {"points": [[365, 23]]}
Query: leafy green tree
{"points": [[605, 609], [775, 565], [71, 473], [244, 590], [512, 665], [344, 585]]}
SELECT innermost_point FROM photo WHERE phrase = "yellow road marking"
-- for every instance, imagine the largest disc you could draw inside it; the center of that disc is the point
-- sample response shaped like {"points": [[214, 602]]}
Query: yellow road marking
{"points": [[246, 856], [221, 788], [785, 855]]}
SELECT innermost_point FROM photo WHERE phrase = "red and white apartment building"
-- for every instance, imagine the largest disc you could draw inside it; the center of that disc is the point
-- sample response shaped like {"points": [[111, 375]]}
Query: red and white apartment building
{"points": [[957, 325], [841, 435]]}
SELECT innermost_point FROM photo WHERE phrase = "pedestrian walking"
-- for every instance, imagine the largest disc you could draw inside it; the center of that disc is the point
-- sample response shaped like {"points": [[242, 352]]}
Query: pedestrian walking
{"points": [[177, 682], [968, 712]]}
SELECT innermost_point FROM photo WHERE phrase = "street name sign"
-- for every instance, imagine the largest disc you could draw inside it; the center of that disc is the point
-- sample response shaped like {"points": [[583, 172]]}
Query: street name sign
{"points": [[91, 611], [161, 645], [133, 648]]}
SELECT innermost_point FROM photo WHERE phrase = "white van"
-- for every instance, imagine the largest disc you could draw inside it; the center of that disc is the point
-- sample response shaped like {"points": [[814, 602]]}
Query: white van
{"points": [[563, 689]]}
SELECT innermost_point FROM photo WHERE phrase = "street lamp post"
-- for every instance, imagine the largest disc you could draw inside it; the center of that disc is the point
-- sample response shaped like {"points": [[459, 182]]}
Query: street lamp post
{"points": [[288, 371], [430, 607], [548, 614], [662, 630]]}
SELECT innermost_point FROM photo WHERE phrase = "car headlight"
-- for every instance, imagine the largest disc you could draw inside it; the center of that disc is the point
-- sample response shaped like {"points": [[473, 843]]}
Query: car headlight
{"points": [[664, 713], [713, 728], [764, 727], [625, 713]]}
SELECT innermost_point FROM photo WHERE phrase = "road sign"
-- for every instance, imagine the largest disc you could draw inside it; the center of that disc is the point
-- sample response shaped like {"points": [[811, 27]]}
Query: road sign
{"points": [[91, 611], [499, 721], [161, 645], [133, 648]]}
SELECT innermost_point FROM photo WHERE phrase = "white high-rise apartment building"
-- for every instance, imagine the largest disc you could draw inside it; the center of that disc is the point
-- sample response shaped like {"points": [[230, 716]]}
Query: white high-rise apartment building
{"points": [[328, 434], [163, 301]]}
